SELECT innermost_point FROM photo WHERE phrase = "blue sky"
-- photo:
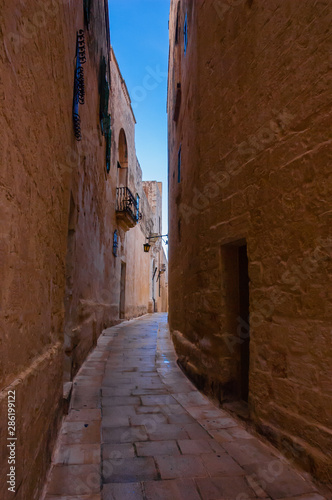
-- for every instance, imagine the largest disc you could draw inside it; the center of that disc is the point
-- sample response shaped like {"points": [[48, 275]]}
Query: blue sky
{"points": [[139, 36]]}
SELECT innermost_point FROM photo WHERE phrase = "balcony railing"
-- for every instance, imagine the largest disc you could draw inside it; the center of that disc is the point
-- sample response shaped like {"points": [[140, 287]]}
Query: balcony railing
{"points": [[127, 207]]}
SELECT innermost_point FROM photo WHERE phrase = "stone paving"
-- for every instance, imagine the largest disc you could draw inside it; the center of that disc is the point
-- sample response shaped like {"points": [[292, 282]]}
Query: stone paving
{"points": [[137, 429]]}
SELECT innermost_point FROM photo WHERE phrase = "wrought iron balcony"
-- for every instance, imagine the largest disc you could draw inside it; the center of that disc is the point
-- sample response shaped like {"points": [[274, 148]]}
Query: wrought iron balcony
{"points": [[127, 208]]}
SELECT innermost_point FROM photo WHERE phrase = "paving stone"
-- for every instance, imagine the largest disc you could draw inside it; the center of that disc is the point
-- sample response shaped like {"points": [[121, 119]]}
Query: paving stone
{"points": [[75, 454], [278, 480], [221, 465], [195, 446], [95, 381], [171, 467], [149, 392], [86, 416], [206, 412], [124, 434], [194, 398], [81, 497], [218, 488], [84, 401], [182, 418], [168, 431], [195, 431], [239, 433], [173, 489], [218, 423], [221, 435], [310, 496], [158, 399], [132, 470], [118, 391], [115, 421], [152, 449], [115, 450], [248, 451], [80, 433], [141, 410], [117, 411], [74, 480], [178, 387], [128, 491], [151, 421]]}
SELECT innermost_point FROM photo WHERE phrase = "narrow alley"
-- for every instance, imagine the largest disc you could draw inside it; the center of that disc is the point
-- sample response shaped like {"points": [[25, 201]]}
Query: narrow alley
{"points": [[138, 429], [165, 250]]}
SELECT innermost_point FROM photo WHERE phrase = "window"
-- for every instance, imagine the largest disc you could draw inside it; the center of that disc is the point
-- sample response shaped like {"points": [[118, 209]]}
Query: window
{"points": [[179, 165], [185, 34], [115, 243]]}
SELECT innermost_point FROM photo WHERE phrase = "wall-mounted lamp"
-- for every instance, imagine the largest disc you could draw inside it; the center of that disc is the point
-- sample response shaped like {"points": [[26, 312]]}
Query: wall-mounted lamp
{"points": [[147, 245]]}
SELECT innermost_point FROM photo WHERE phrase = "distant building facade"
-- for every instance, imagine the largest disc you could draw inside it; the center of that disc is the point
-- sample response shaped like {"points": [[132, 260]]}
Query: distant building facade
{"points": [[74, 215], [250, 214]]}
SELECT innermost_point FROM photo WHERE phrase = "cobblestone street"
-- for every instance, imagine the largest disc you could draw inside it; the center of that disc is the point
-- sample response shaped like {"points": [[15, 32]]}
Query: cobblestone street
{"points": [[138, 429]]}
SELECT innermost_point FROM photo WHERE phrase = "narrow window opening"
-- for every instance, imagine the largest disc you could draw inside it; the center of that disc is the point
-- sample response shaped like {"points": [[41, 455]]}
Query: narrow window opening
{"points": [[115, 243]]}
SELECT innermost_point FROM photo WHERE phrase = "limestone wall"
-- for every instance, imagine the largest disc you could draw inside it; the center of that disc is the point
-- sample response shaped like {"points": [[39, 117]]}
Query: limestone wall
{"points": [[252, 119], [88, 299], [38, 156]]}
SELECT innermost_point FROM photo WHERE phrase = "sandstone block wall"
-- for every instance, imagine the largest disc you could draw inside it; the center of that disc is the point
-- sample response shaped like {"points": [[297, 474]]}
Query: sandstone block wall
{"points": [[252, 119], [88, 304], [37, 50]]}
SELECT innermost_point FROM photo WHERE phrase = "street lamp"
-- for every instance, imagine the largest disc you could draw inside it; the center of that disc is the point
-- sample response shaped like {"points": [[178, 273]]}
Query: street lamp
{"points": [[147, 245]]}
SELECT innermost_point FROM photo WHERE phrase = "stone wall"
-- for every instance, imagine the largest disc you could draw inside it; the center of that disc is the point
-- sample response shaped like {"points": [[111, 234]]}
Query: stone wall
{"points": [[38, 154], [247, 103], [88, 304]]}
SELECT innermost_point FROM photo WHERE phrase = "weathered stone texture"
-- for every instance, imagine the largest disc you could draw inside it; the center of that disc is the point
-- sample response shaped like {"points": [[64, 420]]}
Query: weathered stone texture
{"points": [[253, 126], [36, 141]]}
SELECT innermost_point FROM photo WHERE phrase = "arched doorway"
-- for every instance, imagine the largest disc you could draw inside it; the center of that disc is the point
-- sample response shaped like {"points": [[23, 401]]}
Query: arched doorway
{"points": [[123, 160]]}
